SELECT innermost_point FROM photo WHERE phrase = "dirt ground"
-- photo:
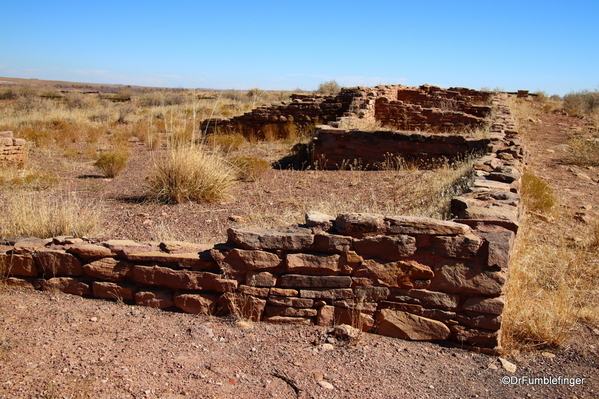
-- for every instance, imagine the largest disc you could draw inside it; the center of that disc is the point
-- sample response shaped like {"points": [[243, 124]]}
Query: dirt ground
{"points": [[62, 346]]}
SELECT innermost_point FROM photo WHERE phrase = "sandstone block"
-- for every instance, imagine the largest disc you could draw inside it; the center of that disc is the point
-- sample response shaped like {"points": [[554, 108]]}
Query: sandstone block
{"points": [[484, 321], [290, 301], [21, 283], [462, 246], [68, 285], [182, 260], [160, 299], [90, 251], [18, 265], [479, 337], [254, 291], [275, 291], [240, 260], [313, 264], [394, 274], [395, 323], [54, 263], [241, 306], [325, 316], [360, 224], [109, 269], [182, 279], [29, 245], [181, 247], [355, 318], [289, 311], [196, 303], [261, 279], [500, 246], [108, 290], [319, 221], [288, 320], [423, 225], [302, 281], [357, 304], [328, 294], [286, 239], [371, 293], [404, 307], [462, 277], [125, 247], [386, 247], [485, 305], [434, 298], [332, 243]]}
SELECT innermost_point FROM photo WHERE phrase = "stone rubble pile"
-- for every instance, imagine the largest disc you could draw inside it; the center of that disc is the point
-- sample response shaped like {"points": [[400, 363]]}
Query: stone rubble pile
{"points": [[12, 150]]}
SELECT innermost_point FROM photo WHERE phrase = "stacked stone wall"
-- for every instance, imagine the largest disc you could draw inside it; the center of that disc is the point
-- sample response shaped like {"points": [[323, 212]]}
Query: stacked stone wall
{"points": [[12, 150]]}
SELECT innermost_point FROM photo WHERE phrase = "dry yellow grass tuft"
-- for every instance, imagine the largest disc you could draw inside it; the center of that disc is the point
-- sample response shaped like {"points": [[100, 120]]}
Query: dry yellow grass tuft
{"points": [[190, 173]]}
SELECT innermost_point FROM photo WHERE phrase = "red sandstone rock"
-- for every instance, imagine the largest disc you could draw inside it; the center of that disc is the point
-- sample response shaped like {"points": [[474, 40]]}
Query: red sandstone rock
{"points": [[355, 318], [386, 247], [182, 260], [275, 291], [261, 279], [18, 265], [484, 321], [157, 298], [109, 269], [371, 293], [254, 291], [90, 251], [30, 245], [108, 290], [313, 263], [394, 274], [462, 277], [360, 224], [434, 298], [240, 260], [182, 279], [423, 225], [404, 325], [485, 305], [479, 337], [303, 281], [241, 305], [332, 243], [196, 303], [462, 246], [53, 263], [288, 320], [325, 316], [289, 311], [328, 294], [68, 285], [287, 239], [125, 247], [181, 247], [290, 301]]}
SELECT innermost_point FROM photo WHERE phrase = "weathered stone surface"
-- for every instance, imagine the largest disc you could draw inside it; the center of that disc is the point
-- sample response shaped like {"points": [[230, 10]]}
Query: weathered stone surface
{"points": [[196, 303], [90, 251], [68, 285], [160, 299], [21, 283], [18, 265], [125, 247], [360, 224], [434, 298], [325, 316], [313, 264], [290, 301], [485, 305], [423, 225], [275, 291], [254, 291], [261, 279], [182, 279], [182, 260], [54, 263], [404, 307], [328, 294], [319, 221], [394, 274], [355, 318], [371, 293], [240, 260], [289, 311], [500, 245], [386, 247], [471, 208], [462, 246], [462, 277], [29, 245], [484, 321], [181, 247], [346, 332], [357, 304], [303, 281], [108, 290], [332, 243], [287, 239], [288, 320], [241, 306], [109, 269], [395, 323], [479, 337]]}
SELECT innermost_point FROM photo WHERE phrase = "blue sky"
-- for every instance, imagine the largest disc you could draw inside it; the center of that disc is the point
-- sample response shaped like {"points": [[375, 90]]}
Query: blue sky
{"points": [[534, 45]]}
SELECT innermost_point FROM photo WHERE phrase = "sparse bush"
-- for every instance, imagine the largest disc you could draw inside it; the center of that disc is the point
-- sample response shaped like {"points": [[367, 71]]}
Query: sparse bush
{"points": [[583, 151], [111, 163], [329, 88], [581, 103], [536, 193], [226, 142], [49, 215], [26, 178], [161, 98], [250, 168], [190, 173]]}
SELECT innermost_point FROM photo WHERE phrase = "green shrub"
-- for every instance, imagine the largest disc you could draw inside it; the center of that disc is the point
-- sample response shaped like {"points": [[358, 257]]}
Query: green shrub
{"points": [[111, 163], [250, 168], [190, 173]]}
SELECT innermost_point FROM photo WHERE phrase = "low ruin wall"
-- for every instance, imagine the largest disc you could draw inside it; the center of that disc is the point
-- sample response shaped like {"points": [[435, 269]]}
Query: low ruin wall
{"points": [[407, 277], [12, 150]]}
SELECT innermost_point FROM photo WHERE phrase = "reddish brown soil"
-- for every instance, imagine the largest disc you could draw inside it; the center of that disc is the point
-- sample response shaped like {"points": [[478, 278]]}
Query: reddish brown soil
{"points": [[63, 346]]}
